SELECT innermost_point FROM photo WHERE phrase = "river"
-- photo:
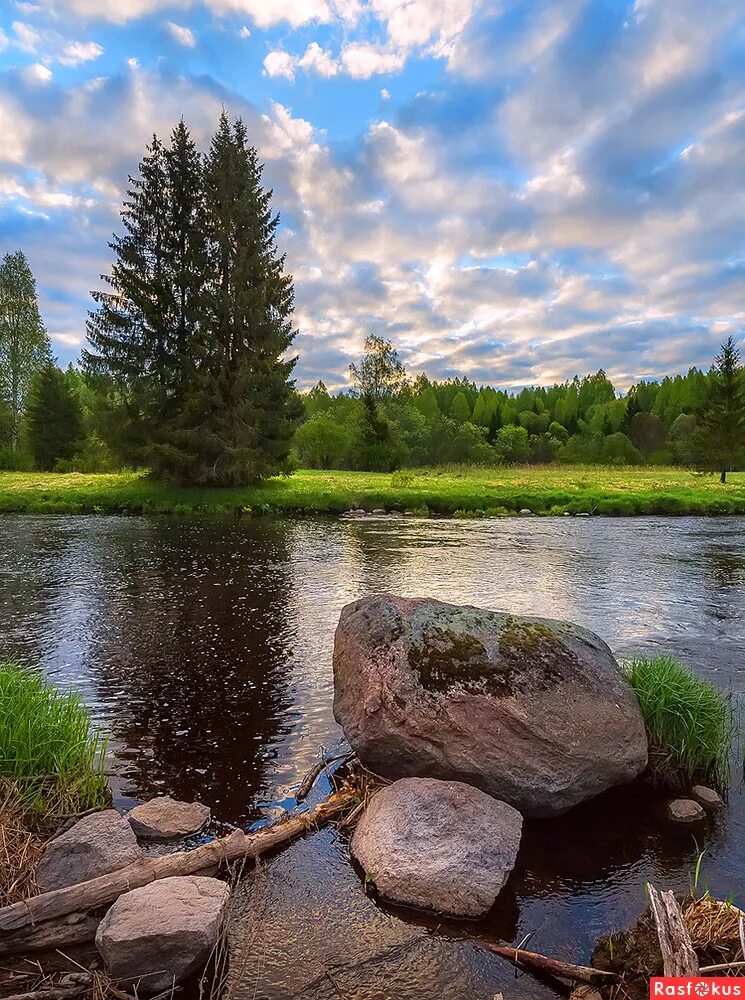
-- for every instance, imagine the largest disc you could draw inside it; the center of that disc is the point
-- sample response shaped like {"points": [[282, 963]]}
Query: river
{"points": [[203, 648]]}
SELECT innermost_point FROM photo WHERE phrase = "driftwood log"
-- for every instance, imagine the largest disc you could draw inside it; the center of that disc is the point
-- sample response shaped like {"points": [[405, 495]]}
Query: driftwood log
{"points": [[326, 761], [33, 913], [77, 928], [678, 956], [553, 966]]}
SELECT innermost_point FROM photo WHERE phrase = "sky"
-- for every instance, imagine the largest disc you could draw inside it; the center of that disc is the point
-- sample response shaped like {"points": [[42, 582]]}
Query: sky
{"points": [[514, 191]]}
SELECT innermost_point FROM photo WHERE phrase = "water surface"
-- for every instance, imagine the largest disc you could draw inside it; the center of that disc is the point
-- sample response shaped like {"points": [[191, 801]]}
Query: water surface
{"points": [[204, 650]]}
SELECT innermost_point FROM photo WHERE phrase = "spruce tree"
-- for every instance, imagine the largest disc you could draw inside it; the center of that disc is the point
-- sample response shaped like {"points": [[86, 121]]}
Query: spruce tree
{"points": [[54, 418], [130, 332], [242, 411], [24, 343], [721, 437]]}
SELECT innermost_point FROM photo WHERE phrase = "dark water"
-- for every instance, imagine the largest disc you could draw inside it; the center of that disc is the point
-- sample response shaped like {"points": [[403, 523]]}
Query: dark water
{"points": [[204, 649]]}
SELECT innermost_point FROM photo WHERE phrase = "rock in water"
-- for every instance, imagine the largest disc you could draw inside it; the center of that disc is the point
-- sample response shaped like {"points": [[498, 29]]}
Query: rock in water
{"points": [[707, 797], [685, 811], [98, 844], [438, 845], [163, 932], [535, 712], [165, 818]]}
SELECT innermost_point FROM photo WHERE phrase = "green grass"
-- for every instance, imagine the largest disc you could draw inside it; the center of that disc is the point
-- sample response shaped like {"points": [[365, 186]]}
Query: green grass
{"points": [[690, 724], [48, 748], [459, 491]]}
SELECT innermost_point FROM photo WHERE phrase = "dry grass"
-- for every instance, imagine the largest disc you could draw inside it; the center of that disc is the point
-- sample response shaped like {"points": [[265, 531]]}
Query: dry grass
{"points": [[714, 927], [20, 847]]}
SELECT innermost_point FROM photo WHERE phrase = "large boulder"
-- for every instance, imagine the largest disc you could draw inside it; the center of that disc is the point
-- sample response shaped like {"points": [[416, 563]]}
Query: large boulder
{"points": [[533, 711], [438, 845], [164, 818], [96, 845], [158, 935]]}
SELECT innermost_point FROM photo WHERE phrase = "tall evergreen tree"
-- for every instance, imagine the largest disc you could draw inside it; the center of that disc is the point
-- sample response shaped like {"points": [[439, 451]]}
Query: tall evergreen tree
{"points": [[241, 409], [24, 344], [130, 332], [54, 418], [721, 436]]}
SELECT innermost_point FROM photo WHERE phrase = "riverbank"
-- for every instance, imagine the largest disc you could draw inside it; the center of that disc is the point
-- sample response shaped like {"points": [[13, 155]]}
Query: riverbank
{"points": [[466, 492]]}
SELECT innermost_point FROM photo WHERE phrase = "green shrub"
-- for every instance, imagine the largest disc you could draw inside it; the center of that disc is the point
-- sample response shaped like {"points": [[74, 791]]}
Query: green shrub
{"points": [[690, 724], [48, 748]]}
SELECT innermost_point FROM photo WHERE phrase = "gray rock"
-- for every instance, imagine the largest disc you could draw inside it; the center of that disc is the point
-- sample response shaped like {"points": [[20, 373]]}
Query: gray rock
{"points": [[379, 510], [583, 513], [525, 512], [165, 818], [685, 811], [535, 712], [438, 845], [707, 797], [158, 935], [96, 845]]}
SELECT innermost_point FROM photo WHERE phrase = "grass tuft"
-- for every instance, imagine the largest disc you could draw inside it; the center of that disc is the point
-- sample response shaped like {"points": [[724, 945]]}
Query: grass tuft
{"points": [[690, 724], [48, 749]]}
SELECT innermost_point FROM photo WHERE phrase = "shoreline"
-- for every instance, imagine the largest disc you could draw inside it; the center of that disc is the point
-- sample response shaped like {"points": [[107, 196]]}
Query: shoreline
{"points": [[460, 493]]}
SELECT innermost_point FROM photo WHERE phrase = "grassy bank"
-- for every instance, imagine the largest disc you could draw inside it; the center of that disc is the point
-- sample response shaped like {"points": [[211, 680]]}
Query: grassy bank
{"points": [[50, 756], [452, 491]]}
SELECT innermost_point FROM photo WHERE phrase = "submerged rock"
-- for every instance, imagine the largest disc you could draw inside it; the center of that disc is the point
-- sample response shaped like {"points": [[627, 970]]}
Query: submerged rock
{"points": [[438, 845], [96, 845], [707, 797], [165, 818], [535, 712], [685, 811], [156, 936]]}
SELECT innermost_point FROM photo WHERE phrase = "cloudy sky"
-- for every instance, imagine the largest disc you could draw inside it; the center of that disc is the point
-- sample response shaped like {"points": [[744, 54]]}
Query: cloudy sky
{"points": [[515, 190]]}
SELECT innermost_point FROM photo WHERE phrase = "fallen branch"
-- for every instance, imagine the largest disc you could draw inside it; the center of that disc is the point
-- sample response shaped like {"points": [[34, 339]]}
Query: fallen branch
{"points": [[678, 956], [102, 891], [555, 967], [76, 928], [721, 968], [317, 770], [61, 993]]}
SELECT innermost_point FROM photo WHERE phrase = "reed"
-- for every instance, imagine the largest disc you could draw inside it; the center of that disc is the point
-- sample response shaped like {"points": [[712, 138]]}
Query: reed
{"points": [[48, 748], [690, 724]]}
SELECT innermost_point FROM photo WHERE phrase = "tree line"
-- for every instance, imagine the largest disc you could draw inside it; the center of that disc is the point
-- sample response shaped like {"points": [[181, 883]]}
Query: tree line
{"points": [[188, 368]]}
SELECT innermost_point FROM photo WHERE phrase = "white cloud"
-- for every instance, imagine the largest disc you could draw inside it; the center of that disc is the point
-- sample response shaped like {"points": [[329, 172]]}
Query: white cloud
{"points": [[280, 63], [182, 35], [319, 60], [363, 60], [37, 73], [26, 39], [3, 40], [79, 52], [385, 94], [245, 32]]}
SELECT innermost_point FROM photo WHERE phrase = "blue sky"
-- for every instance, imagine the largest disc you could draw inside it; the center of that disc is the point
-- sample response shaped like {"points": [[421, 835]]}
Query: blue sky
{"points": [[514, 191]]}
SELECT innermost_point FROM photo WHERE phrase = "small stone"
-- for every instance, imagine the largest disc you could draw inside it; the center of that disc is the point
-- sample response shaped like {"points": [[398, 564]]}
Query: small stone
{"points": [[583, 513], [165, 818], [156, 936], [438, 845], [685, 811], [707, 797], [76, 979], [96, 845], [525, 512], [379, 510]]}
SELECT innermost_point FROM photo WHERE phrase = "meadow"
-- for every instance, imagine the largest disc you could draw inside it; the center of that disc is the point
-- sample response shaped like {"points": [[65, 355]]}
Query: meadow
{"points": [[455, 491]]}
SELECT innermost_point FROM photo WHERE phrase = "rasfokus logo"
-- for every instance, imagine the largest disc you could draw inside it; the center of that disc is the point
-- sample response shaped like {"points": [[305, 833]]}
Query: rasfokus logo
{"points": [[683, 986]]}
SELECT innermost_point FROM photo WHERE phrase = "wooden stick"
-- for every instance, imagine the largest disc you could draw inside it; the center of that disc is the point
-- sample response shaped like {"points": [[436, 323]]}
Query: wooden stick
{"points": [[61, 993], [77, 928], [564, 970], [722, 967], [102, 891], [678, 956], [317, 770]]}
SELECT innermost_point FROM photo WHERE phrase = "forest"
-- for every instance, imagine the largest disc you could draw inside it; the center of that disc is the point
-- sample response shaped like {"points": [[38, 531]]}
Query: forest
{"points": [[188, 369]]}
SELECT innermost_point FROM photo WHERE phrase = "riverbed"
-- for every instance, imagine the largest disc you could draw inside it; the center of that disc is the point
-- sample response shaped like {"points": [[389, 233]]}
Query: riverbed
{"points": [[204, 650]]}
